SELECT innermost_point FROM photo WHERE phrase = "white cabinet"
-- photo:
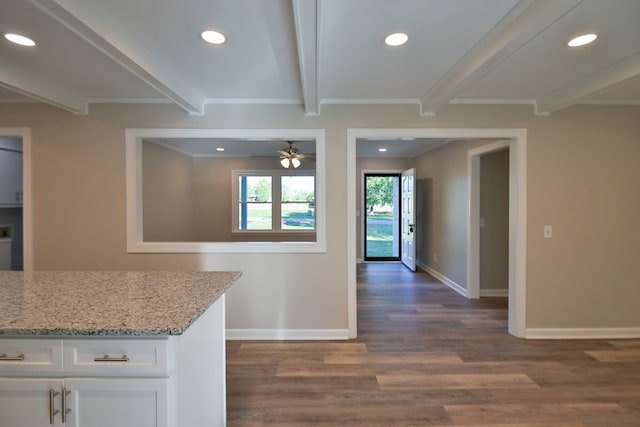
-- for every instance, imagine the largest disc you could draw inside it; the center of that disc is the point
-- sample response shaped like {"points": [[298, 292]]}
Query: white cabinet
{"points": [[87, 402], [175, 381], [28, 402], [10, 178], [108, 402], [45, 382]]}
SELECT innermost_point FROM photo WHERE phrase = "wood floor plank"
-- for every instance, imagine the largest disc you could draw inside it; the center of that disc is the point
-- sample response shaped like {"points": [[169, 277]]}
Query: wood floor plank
{"points": [[286, 369], [465, 415], [631, 344], [464, 381], [307, 347], [395, 358], [630, 355]]}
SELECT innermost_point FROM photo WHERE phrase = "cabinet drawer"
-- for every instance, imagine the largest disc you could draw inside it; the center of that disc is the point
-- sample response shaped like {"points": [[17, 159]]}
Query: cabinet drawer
{"points": [[119, 357], [25, 356]]}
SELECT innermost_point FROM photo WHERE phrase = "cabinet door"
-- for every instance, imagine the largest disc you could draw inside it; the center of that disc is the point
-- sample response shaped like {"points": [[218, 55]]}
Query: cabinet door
{"points": [[10, 178], [106, 402], [27, 402]]}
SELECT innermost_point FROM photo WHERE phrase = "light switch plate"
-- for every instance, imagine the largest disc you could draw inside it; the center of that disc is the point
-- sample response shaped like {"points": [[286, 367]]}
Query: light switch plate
{"points": [[548, 231]]}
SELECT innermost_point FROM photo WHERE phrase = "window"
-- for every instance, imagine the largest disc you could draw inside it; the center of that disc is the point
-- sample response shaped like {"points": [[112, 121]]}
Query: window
{"points": [[274, 201], [254, 202]]}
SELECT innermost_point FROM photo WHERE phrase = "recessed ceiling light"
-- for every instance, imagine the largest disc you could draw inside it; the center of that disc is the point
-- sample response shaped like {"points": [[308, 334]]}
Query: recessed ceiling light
{"points": [[382, 150], [219, 149], [582, 40], [18, 39], [213, 37], [396, 39]]}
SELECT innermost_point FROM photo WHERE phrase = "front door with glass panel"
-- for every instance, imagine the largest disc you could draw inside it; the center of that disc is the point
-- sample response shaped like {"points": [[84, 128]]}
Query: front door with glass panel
{"points": [[382, 217], [409, 219]]}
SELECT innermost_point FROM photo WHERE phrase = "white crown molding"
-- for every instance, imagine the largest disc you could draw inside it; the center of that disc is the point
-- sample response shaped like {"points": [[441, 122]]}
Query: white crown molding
{"points": [[369, 101]]}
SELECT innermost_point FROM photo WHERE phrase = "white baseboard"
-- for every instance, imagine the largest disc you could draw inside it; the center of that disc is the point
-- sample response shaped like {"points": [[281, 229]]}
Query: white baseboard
{"points": [[581, 333], [494, 292], [287, 334], [444, 279]]}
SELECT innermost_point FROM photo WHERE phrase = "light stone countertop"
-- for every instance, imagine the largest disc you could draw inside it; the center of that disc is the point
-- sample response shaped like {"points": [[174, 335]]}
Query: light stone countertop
{"points": [[106, 303]]}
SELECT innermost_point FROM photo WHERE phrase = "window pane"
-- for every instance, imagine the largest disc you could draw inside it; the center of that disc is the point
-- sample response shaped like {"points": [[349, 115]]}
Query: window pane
{"points": [[298, 203], [254, 207], [254, 188], [254, 216], [298, 188]]}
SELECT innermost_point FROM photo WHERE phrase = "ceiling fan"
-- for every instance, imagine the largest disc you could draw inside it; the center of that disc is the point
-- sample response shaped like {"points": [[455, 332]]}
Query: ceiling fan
{"points": [[290, 158]]}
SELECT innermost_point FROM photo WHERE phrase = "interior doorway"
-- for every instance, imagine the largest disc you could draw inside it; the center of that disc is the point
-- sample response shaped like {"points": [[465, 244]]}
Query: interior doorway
{"points": [[516, 141], [15, 199]]}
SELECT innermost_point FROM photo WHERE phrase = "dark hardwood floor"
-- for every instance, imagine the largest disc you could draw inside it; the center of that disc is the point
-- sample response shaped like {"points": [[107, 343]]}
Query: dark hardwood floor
{"points": [[426, 356]]}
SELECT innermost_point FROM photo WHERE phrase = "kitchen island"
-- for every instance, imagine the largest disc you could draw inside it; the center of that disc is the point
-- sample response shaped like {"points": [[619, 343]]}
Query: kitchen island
{"points": [[113, 348]]}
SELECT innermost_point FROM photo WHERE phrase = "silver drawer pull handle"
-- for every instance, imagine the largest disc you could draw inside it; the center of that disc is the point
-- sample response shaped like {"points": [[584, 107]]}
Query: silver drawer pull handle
{"points": [[65, 411], [52, 409], [107, 358], [5, 358]]}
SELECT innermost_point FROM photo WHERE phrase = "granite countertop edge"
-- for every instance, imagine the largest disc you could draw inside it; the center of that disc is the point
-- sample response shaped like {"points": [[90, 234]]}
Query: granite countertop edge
{"points": [[125, 331]]}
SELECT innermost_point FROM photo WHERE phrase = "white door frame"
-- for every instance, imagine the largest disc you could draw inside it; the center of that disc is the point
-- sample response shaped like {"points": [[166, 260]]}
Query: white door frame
{"points": [[473, 213], [27, 214], [517, 211], [363, 215]]}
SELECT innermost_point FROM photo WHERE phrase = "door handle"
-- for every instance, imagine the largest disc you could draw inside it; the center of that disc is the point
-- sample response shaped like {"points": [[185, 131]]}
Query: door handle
{"points": [[107, 358], [19, 358], [65, 411], [52, 407]]}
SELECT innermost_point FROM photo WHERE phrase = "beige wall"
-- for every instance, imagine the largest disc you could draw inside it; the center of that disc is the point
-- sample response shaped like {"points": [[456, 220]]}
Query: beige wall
{"points": [[494, 213], [441, 187], [582, 177], [168, 213]]}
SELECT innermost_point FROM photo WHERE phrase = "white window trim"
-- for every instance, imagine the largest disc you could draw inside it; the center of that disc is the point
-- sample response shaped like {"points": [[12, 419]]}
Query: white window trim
{"points": [[133, 151], [276, 199]]}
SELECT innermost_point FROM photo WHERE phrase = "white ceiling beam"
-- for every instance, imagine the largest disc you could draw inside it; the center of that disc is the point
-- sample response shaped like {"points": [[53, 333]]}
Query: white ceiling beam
{"points": [[24, 83], [524, 22], [90, 23], [580, 90], [305, 14]]}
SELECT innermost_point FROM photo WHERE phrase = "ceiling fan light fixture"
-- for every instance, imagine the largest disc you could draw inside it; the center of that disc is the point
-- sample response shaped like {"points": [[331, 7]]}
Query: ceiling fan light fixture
{"points": [[285, 163], [213, 37], [582, 40], [19, 39], [295, 162], [396, 39]]}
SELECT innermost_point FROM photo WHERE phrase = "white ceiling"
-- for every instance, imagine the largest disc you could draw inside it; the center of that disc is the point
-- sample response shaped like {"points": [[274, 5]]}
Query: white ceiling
{"points": [[317, 52]]}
